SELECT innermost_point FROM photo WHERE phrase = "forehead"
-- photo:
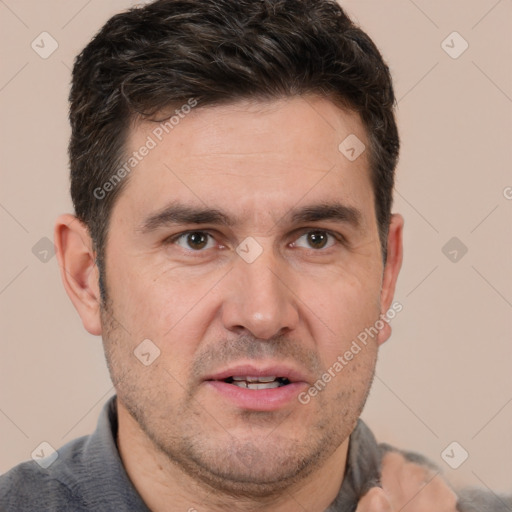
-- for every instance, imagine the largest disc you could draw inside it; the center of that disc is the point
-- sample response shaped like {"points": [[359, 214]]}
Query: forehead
{"points": [[250, 156]]}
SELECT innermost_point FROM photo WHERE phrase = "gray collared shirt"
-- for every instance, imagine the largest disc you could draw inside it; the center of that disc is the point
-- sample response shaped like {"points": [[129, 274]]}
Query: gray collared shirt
{"points": [[88, 475]]}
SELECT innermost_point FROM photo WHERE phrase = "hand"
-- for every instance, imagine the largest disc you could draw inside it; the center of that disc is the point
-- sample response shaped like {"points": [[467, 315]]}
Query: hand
{"points": [[375, 500], [408, 487]]}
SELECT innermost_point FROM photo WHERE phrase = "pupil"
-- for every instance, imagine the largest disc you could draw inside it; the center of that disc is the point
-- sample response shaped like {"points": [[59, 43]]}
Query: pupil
{"points": [[197, 240], [317, 239]]}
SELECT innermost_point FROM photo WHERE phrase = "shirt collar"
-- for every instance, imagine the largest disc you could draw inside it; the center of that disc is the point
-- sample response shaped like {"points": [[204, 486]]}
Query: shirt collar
{"points": [[112, 485]]}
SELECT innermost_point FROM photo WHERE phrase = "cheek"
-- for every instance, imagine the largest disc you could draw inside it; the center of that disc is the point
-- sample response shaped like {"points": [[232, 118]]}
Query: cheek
{"points": [[149, 297], [172, 311], [339, 309]]}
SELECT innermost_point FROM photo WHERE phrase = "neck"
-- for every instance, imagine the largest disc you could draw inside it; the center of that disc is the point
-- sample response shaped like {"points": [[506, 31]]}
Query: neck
{"points": [[165, 487]]}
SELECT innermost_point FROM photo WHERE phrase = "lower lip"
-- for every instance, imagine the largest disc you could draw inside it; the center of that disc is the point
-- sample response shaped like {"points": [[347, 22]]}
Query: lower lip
{"points": [[258, 399]]}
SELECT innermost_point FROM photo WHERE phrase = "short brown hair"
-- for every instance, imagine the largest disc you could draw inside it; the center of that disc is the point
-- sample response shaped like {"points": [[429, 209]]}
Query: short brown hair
{"points": [[216, 51]]}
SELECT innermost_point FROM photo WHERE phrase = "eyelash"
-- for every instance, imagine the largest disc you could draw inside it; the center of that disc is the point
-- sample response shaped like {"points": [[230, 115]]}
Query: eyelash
{"points": [[339, 238]]}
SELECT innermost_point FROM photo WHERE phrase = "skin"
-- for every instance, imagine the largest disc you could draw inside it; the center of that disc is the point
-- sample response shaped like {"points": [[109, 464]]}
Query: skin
{"points": [[184, 445], [408, 487]]}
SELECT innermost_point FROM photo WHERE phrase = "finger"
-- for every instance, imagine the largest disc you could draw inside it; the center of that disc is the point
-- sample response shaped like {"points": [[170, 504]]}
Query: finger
{"points": [[435, 495], [411, 487], [374, 500]]}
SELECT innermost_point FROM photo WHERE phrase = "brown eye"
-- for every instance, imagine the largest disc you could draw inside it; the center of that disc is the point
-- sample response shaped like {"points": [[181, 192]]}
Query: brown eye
{"points": [[315, 240], [195, 240]]}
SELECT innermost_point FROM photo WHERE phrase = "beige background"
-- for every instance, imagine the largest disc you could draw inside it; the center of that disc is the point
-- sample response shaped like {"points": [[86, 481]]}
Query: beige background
{"points": [[446, 373]]}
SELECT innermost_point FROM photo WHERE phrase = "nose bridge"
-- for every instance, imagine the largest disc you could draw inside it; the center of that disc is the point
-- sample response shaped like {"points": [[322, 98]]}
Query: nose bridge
{"points": [[258, 299]]}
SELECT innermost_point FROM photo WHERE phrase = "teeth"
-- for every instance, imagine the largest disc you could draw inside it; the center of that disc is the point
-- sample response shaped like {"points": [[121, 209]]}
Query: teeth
{"points": [[257, 385], [263, 385], [250, 382], [254, 379]]}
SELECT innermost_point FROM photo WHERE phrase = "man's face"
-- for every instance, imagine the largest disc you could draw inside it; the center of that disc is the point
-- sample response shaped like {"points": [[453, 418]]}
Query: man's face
{"points": [[269, 180]]}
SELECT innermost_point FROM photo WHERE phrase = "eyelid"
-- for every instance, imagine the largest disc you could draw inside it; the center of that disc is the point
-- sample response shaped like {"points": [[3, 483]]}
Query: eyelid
{"points": [[341, 239], [337, 236], [174, 238], [331, 241]]}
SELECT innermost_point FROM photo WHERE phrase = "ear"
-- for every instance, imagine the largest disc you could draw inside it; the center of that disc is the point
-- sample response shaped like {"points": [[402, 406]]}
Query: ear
{"points": [[391, 271], [78, 269]]}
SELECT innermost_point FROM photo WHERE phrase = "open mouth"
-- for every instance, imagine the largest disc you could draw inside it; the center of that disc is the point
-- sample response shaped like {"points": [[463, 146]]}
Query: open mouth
{"points": [[266, 387], [249, 382]]}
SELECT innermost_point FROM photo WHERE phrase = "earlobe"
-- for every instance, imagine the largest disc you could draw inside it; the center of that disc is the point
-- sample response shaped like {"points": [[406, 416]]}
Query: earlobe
{"points": [[391, 270], [78, 269]]}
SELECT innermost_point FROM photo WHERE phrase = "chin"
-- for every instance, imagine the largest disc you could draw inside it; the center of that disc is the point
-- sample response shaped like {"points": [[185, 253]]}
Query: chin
{"points": [[252, 468]]}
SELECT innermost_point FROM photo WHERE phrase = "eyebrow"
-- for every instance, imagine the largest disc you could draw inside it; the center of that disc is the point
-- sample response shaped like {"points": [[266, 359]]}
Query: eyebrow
{"points": [[327, 212], [182, 214]]}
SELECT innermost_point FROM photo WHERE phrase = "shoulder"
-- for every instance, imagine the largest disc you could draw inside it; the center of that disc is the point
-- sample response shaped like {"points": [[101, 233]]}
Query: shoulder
{"points": [[26, 486], [476, 500]]}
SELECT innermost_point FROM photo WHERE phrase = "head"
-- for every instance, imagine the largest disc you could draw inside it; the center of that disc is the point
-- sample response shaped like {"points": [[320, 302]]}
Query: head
{"points": [[220, 216]]}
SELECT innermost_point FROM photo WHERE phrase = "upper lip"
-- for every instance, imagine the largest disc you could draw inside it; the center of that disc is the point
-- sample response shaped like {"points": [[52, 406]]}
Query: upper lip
{"points": [[262, 370]]}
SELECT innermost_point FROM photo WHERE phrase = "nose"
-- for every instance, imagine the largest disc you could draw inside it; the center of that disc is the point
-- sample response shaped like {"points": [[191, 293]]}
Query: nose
{"points": [[259, 299]]}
